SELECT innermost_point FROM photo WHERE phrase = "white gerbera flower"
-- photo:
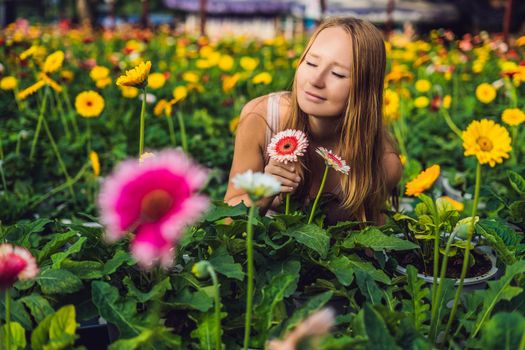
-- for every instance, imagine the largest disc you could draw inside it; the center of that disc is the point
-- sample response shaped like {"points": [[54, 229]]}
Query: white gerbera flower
{"points": [[287, 145], [258, 185], [333, 160]]}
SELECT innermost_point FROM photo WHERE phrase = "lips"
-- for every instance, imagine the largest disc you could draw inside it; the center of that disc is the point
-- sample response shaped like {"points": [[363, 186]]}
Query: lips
{"points": [[315, 96]]}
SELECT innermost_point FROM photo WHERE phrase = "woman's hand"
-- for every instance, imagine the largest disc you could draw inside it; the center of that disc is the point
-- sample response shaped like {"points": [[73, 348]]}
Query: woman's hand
{"points": [[285, 173]]}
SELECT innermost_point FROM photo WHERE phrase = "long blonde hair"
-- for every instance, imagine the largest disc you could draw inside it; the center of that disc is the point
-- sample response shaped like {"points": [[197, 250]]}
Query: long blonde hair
{"points": [[363, 135]]}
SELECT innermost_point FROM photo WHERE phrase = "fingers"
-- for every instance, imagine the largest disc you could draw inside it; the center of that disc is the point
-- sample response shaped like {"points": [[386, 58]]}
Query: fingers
{"points": [[285, 174]]}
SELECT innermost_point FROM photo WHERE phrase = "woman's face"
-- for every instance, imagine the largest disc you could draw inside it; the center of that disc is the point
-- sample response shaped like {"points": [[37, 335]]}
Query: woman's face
{"points": [[323, 77]]}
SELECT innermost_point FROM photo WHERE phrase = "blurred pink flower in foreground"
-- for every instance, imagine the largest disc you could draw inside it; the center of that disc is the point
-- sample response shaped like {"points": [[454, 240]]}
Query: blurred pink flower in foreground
{"points": [[317, 324], [16, 263], [155, 199]]}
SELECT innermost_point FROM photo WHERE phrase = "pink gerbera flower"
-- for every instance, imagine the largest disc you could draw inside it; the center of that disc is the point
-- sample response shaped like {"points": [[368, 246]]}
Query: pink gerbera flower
{"points": [[333, 160], [16, 263], [155, 199], [287, 145]]}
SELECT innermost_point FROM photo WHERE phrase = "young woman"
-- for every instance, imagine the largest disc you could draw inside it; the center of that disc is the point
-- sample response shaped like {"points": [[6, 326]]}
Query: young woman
{"points": [[337, 100]]}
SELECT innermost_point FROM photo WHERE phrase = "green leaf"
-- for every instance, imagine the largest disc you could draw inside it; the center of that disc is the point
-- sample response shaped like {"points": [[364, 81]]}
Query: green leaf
{"points": [[517, 211], [156, 338], [75, 248], [58, 282], [504, 331], [368, 288], [224, 264], [343, 268], [121, 312], [63, 321], [121, 257], [311, 236], [272, 294], [415, 306], [56, 243], [18, 335], [40, 336], [498, 290], [379, 337], [37, 305], [374, 239], [18, 313], [86, 269], [206, 330], [501, 238], [185, 299], [516, 181], [286, 267], [156, 293], [220, 211]]}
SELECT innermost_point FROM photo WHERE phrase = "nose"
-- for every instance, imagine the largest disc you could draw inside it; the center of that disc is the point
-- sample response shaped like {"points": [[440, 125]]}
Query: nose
{"points": [[317, 79]]}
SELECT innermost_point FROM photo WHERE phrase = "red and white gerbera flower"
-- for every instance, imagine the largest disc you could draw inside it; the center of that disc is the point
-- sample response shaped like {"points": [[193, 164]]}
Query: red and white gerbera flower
{"points": [[16, 263], [155, 199], [333, 160], [287, 145]]}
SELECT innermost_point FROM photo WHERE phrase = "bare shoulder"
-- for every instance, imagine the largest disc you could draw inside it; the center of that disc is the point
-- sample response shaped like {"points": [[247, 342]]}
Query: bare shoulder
{"points": [[252, 124]]}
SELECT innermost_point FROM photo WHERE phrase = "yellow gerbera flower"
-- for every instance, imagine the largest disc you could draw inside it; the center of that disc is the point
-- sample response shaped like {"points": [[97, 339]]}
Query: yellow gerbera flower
{"points": [[262, 78], [99, 72], [229, 82], [156, 80], [136, 76], [102, 83], [423, 85], [248, 63], [95, 163], [28, 53], [22, 95], [423, 181], [485, 93], [233, 124], [190, 77], [455, 204], [50, 82], [390, 105], [89, 104], [179, 94], [129, 91], [421, 102], [226, 62], [67, 75], [8, 83], [513, 116], [487, 140], [53, 62], [162, 106], [447, 100]]}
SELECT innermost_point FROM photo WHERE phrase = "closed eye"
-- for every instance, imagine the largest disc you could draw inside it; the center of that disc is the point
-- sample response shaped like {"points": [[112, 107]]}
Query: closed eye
{"points": [[339, 75], [311, 64]]}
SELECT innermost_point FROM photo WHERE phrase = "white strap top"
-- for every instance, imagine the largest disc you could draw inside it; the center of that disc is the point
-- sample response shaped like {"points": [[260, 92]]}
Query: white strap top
{"points": [[272, 118]]}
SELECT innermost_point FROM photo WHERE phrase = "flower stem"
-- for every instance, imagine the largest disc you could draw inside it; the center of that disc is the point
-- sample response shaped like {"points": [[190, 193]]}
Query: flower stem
{"points": [[183, 137], [38, 125], [217, 298], [4, 182], [287, 205], [436, 251], [59, 157], [249, 289], [450, 122], [142, 112], [7, 320], [467, 251], [400, 140], [437, 296], [171, 130], [318, 194]]}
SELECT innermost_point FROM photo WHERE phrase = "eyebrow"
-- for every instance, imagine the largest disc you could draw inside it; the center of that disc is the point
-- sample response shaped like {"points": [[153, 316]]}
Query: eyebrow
{"points": [[335, 62]]}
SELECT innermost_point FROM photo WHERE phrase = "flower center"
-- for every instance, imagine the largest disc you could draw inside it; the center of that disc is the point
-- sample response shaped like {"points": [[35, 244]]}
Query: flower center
{"points": [[485, 144], [155, 204], [287, 145], [336, 160], [89, 103]]}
